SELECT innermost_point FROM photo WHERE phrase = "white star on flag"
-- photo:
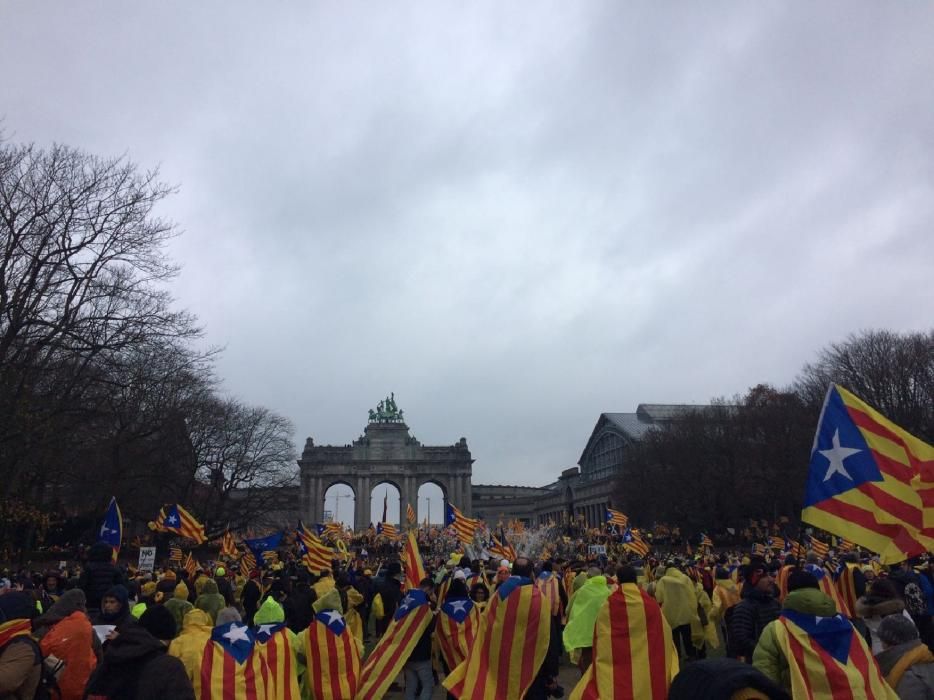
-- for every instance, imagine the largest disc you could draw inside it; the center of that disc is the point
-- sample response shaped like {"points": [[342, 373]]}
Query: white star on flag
{"points": [[266, 629], [333, 616], [236, 634], [406, 602], [835, 455], [171, 520], [458, 606]]}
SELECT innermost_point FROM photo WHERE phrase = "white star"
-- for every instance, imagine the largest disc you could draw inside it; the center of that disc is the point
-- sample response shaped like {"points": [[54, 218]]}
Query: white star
{"points": [[458, 606], [333, 616], [406, 602], [265, 629], [835, 456], [236, 634], [171, 520], [105, 530]]}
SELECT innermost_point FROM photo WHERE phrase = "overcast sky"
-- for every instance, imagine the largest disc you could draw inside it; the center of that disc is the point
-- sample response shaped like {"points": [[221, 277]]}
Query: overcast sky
{"points": [[515, 218]]}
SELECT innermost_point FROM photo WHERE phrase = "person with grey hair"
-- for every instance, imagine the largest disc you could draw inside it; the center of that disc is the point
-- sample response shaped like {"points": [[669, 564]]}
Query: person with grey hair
{"points": [[907, 664]]}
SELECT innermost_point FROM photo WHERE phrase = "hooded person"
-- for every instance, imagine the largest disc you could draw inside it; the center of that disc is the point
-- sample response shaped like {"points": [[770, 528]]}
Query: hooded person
{"points": [[66, 633], [115, 607], [210, 600], [278, 646], [250, 595], [20, 659], [634, 655], [188, 646], [676, 594], [136, 663], [332, 654], [814, 652], [178, 605], [725, 597], [582, 616], [100, 575]]}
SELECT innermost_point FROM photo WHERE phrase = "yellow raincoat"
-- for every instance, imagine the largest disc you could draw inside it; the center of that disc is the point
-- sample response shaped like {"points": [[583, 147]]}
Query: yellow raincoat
{"points": [[188, 646]]}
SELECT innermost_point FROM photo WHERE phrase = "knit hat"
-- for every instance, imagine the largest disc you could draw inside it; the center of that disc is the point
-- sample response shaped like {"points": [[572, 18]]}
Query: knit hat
{"points": [[228, 615], [802, 579], [17, 605], [897, 629], [158, 622], [181, 591], [220, 571]]}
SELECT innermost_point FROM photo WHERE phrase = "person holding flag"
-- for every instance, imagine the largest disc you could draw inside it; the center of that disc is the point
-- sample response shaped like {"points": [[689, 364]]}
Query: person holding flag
{"points": [[112, 528], [516, 626]]}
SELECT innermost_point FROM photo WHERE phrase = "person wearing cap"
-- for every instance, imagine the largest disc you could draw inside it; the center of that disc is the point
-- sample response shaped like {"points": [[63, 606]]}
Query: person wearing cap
{"points": [[906, 663], [223, 585], [757, 609]]}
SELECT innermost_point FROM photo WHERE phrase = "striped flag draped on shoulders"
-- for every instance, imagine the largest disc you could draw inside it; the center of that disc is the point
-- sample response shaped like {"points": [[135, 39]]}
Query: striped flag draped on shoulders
{"points": [[274, 645], [828, 658], [510, 646], [333, 658], [550, 585], [231, 668], [634, 656], [455, 629], [384, 663], [828, 587], [870, 481]]}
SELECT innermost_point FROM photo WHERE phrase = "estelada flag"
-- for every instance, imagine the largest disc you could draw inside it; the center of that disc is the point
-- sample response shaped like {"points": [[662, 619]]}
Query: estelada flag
{"points": [[111, 530], [410, 514], [828, 588], [228, 546], [510, 647], [869, 480], [274, 644], [230, 668], [465, 528], [615, 517], [634, 656], [191, 566], [550, 584], [333, 657], [384, 663], [412, 562], [844, 581], [176, 519], [456, 628], [828, 658]]}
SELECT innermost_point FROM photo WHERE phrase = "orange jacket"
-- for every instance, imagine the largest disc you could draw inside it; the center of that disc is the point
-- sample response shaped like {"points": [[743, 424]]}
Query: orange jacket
{"points": [[70, 640]]}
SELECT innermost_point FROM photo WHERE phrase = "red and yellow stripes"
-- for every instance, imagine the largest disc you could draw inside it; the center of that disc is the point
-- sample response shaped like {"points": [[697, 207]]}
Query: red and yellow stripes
{"points": [[279, 657], [634, 656], [12, 629], [412, 562], [895, 516], [510, 646], [465, 528], [456, 638], [222, 678], [815, 674], [550, 586], [393, 650], [846, 587], [333, 662]]}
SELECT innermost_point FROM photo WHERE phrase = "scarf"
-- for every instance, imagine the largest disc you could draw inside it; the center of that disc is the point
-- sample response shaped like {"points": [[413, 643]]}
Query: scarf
{"points": [[13, 629]]}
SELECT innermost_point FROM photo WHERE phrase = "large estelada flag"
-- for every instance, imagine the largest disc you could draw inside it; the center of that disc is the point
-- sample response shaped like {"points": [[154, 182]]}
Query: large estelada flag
{"points": [[230, 668], [465, 528], [333, 658], [315, 555], [384, 663], [387, 530], [634, 656], [412, 562], [510, 647], [112, 528], [455, 629], [867, 480], [175, 518], [274, 645], [828, 658]]}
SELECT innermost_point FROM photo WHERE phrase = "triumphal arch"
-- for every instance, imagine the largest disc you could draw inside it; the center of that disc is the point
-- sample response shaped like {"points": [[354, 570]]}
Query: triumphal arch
{"points": [[385, 453]]}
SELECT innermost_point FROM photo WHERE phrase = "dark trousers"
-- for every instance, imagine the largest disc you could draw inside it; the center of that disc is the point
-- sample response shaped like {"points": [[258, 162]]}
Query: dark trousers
{"points": [[682, 637]]}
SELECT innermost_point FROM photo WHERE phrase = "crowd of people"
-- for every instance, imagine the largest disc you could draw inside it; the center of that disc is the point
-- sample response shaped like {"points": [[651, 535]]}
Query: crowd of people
{"points": [[663, 625]]}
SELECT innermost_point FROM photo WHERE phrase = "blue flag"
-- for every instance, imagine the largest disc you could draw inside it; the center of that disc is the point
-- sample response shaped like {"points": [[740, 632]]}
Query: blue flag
{"points": [[111, 530], [264, 544]]}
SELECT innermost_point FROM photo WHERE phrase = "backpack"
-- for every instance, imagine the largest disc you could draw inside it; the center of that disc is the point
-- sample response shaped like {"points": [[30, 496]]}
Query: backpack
{"points": [[48, 673], [914, 600]]}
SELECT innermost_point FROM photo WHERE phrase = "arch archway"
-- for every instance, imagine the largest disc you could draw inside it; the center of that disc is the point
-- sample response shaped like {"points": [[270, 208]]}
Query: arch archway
{"points": [[385, 493], [340, 502], [432, 497]]}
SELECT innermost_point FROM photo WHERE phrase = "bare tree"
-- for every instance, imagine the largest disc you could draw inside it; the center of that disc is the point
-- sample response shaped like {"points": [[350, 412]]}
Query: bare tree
{"points": [[893, 372]]}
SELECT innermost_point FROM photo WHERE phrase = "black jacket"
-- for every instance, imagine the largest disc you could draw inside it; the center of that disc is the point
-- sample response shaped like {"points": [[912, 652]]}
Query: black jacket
{"points": [[136, 666], [98, 578], [750, 616]]}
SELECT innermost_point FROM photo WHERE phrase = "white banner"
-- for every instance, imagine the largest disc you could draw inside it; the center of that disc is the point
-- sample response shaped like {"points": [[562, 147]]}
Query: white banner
{"points": [[147, 558]]}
